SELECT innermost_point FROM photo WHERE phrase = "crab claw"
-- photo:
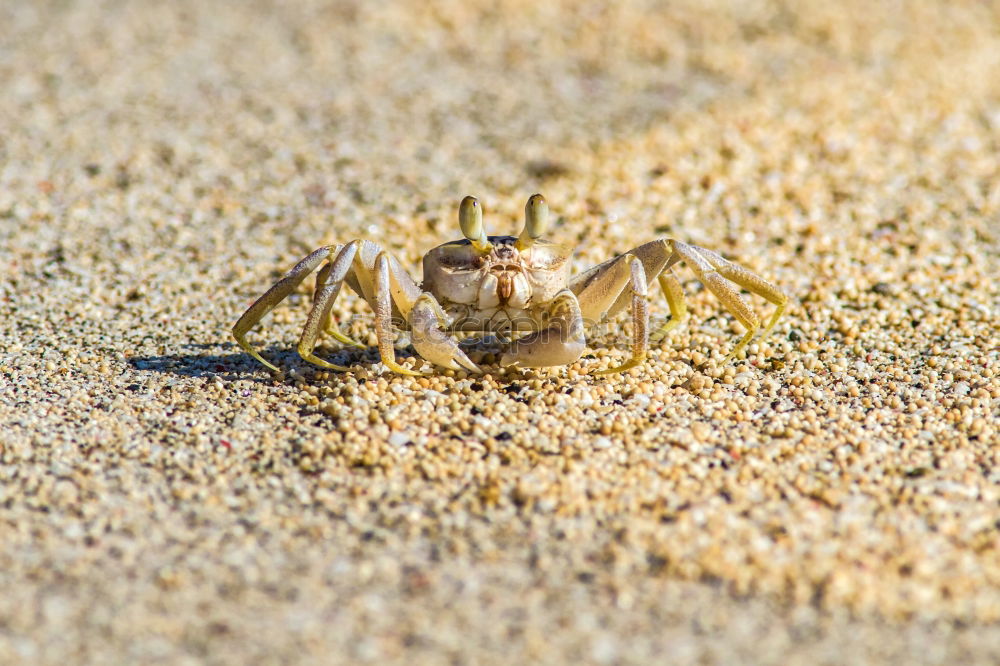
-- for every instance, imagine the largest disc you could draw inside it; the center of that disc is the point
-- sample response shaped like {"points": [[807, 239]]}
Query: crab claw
{"points": [[431, 342], [561, 343], [544, 348]]}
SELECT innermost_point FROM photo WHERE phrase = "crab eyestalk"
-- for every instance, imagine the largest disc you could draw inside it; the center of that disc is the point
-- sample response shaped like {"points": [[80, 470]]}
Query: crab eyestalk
{"points": [[536, 221], [470, 218]]}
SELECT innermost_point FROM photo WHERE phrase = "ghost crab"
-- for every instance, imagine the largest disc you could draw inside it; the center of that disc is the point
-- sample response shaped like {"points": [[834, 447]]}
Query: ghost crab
{"points": [[507, 285]]}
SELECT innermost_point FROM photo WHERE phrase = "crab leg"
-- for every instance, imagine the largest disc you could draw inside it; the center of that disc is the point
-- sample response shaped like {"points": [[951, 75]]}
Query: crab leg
{"points": [[671, 288], [403, 290], [604, 283], [327, 324], [376, 276], [427, 319], [715, 272], [605, 292], [368, 270], [382, 304], [561, 343], [640, 316], [275, 295], [749, 281], [394, 296], [328, 284]]}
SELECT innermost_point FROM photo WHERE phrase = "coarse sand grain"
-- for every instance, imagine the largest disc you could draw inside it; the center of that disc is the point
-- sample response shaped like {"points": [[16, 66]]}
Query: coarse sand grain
{"points": [[833, 497]]}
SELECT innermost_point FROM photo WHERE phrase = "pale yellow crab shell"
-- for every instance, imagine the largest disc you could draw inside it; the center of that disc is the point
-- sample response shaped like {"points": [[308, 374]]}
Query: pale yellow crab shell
{"points": [[454, 272]]}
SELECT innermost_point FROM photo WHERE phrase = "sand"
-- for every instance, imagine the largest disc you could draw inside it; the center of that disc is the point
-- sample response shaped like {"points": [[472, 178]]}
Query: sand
{"points": [[833, 497]]}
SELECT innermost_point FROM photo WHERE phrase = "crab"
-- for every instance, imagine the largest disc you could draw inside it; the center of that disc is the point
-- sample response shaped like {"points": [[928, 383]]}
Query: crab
{"points": [[515, 287]]}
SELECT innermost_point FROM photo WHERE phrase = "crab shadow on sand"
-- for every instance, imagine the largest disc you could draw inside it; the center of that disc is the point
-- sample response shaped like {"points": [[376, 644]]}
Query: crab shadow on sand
{"points": [[239, 365]]}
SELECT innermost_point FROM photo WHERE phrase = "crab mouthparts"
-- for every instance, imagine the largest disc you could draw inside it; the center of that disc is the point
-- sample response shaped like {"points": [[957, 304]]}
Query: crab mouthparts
{"points": [[505, 286]]}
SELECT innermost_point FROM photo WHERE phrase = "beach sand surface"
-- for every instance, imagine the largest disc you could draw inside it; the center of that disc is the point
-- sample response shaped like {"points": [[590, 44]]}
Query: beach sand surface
{"points": [[832, 497]]}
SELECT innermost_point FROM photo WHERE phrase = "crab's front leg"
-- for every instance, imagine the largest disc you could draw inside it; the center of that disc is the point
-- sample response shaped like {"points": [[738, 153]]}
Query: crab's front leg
{"points": [[429, 325], [560, 342], [615, 282], [390, 290]]}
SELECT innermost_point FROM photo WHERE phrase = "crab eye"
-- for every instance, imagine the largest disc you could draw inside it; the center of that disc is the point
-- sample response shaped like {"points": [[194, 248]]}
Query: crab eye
{"points": [[536, 220], [470, 219]]}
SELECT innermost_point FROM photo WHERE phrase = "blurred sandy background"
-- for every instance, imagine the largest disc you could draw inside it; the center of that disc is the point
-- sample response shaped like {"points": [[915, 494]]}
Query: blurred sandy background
{"points": [[832, 498]]}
